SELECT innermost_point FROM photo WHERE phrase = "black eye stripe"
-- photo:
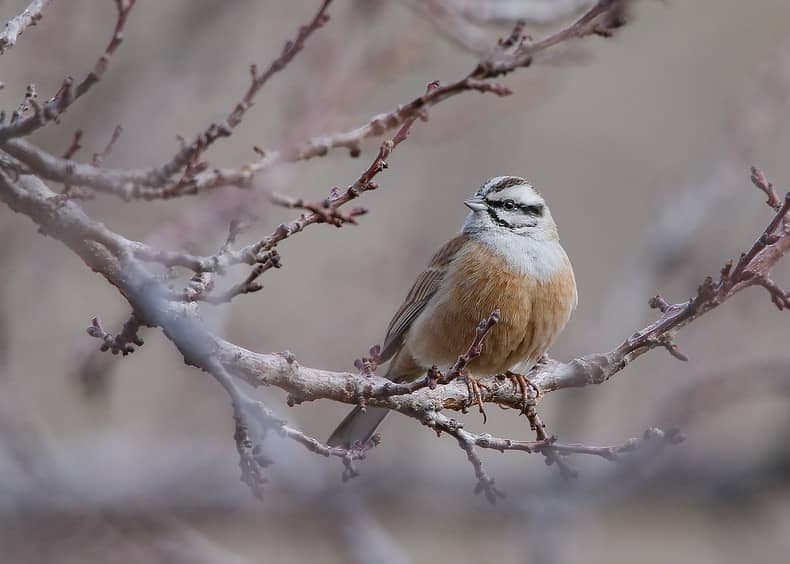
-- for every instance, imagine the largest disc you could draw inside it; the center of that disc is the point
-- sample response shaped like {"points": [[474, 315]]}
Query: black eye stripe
{"points": [[536, 209]]}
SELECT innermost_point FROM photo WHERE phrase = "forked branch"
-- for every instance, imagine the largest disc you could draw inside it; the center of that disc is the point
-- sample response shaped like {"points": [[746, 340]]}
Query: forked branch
{"points": [[135, 268]]}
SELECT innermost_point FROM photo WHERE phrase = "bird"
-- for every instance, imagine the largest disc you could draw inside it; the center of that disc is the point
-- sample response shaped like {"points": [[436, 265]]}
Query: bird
{"points": [[508, 257]]}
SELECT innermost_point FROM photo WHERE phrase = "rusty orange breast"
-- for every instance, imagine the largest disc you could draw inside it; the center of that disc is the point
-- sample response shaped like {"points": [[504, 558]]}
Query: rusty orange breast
{"points": [[533, 313]]}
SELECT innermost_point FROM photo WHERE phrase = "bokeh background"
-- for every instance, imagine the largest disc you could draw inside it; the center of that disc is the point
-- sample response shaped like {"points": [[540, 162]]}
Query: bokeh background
{"points": [[641, 144]]}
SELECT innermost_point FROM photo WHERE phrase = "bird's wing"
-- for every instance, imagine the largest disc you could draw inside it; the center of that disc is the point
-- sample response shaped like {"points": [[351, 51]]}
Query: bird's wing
{"points": [[424, 288]]}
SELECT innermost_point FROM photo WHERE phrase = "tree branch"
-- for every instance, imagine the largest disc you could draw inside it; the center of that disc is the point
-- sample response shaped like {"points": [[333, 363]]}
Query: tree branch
{"points": [[114, 257], [68, 93], [133, 268], [189, 155], [14, 27], [160, 183]]}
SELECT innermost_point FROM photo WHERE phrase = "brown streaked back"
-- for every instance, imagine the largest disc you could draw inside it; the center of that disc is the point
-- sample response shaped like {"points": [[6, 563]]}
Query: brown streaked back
{"points": [[424, 288]]}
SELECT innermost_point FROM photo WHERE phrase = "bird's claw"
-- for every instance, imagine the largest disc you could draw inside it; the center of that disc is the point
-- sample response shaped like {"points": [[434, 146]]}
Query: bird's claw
{"points": [[475, 395], [523, 384]]}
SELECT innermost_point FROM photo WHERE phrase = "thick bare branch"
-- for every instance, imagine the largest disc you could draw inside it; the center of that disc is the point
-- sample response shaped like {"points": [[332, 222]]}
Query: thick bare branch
{"points": [[113, 256], [133, 267]]}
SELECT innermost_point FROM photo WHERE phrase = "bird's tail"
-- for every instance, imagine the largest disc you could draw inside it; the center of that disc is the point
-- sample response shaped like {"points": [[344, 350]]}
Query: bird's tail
{"points": [[358, 426]]}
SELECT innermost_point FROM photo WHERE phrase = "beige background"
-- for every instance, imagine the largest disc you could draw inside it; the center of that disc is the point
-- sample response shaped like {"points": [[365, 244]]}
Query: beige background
{"points": [[641, 144]]}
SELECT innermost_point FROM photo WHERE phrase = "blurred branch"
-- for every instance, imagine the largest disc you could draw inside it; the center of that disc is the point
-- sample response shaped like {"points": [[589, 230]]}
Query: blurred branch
{"points": [[113, 257], [134, 269], [717, 392], [157, 306], [52, 109], [188, 157], [163, 182], [253, 420], [16, 25], [124, 342], [262, 254], [423, 398]]}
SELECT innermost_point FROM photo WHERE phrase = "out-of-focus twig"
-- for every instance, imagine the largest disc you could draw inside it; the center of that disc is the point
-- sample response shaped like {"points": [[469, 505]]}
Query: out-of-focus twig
{"points": [[510, 54], [135, 268], [68, 93], [18, 24], [189, 155]]}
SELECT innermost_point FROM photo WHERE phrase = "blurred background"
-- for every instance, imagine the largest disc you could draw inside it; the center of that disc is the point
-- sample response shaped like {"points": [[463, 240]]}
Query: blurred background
{"points": [[642, 146]]}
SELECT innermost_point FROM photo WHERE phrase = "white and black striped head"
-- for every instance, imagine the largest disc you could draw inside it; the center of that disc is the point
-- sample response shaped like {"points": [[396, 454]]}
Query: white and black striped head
{"points": [[510, 204]]}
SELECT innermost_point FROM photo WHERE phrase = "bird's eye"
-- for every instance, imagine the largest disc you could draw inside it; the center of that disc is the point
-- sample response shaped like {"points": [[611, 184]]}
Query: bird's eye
{"points": [[509, 205]]}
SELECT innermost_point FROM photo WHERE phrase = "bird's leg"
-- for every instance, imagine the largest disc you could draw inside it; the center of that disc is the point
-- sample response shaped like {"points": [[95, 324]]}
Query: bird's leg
{"points": [[522, 384], [475, 396]]}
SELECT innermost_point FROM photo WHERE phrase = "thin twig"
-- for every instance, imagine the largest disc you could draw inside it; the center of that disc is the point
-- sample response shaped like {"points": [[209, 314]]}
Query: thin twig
{"points": [[329, 208], [124, 342], [68, 93], [159, 183], [103, 251], [99, 157], [191, 153]]}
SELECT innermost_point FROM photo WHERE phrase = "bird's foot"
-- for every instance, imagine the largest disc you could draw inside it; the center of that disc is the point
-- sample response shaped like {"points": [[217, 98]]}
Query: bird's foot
{"points": [[475, 395], [523, 384]]}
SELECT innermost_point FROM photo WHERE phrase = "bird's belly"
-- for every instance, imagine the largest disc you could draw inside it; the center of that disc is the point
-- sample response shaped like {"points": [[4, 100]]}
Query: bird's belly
{"points": [[532, 314]]}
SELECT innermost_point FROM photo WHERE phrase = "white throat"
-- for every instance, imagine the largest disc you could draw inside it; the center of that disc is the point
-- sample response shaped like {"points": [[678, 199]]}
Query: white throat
{"points": [[540, 259]]}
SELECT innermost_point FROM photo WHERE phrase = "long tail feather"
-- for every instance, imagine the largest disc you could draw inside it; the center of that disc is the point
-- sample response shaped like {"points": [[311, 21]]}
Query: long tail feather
{"points": [[357, 426]]}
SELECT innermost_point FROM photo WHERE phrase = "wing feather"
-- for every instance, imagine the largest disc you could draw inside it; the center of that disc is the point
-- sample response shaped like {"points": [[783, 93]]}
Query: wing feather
{"points": [[424, 288]]}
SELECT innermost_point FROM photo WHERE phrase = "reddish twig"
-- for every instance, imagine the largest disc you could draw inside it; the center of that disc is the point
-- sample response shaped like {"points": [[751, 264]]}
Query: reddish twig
{"points": [[508, 56], [189, 155], [434, 376], [158, 183], [99, 157], [251, 254], [250, 284], [120, 261], [324, 209], [68, 93], [761, 182], [75, 145], [181, 324], [752, 269]]}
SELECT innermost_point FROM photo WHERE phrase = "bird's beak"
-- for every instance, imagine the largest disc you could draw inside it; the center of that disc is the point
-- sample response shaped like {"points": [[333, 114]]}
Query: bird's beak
{"points": [[475, 204]]}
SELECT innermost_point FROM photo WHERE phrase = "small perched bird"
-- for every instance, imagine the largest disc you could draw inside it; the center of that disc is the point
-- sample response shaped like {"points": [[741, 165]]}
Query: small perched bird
{"points": [[507, 256]]}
